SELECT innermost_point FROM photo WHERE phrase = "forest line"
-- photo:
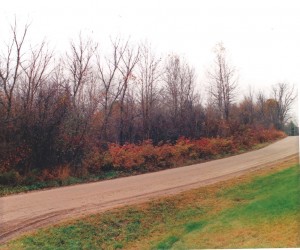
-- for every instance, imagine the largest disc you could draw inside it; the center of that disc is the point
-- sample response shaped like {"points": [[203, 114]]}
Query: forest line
{"points": [[59, 111]]}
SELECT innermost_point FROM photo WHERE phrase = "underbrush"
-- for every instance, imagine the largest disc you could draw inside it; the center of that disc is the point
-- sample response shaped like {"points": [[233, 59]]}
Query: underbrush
{"points": [[146, 157], [131, 159]]}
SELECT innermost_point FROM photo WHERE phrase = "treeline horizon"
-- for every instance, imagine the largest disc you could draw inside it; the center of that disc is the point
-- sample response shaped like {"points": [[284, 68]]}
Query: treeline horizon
{"points": [[55, 110]]}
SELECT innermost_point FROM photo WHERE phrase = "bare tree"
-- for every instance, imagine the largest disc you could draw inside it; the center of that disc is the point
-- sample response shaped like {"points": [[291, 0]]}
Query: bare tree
{"points": [[79, 65], [148, 76], [110, 81], [35, 73], [260, 105], [129, 60], [10, 64], [247, 108], [211, 119], [180, 96], [284, 95], [172, 80], [223, 83], [79, 80]]}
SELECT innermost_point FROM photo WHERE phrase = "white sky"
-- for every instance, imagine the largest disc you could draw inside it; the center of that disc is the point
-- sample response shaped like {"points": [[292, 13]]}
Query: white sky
{"points": [[262, 38]]}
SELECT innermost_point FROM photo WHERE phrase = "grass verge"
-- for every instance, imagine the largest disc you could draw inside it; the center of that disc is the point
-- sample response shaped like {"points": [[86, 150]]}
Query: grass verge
{"points": [[260, 209]]}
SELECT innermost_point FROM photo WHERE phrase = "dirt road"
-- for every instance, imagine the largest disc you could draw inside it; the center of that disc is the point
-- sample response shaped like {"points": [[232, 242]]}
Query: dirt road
{"points": [[28, 211]]}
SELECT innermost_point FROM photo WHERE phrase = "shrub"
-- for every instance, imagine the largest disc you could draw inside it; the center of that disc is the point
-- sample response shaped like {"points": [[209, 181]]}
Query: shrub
{"points": [[62, 172], [125, 157], [93, 161], [265, 135], [149, 157], [142, 157], [222, 146], [149, 154], [31, 178], [204, 148], [165, 155], [11, 178], [184, 148]]}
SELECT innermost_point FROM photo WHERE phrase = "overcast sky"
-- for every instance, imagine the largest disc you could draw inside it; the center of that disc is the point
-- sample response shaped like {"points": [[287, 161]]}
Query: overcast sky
{"points": [[262, 38]]}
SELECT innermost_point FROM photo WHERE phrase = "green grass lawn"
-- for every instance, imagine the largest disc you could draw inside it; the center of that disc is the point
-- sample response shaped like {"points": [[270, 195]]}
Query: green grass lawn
{"points": [[257, 210]]}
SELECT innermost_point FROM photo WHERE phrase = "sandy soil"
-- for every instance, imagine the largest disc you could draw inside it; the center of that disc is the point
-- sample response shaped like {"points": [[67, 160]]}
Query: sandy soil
{"points": [[28, 211]]}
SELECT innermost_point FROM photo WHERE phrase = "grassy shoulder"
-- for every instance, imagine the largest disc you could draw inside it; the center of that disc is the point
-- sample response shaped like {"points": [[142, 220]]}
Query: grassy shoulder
{"points": [[260, 209], [33, 184]]}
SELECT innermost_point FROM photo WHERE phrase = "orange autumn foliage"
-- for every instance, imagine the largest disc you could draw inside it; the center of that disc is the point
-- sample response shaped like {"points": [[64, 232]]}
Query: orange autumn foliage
{"points": [[146, 156]]}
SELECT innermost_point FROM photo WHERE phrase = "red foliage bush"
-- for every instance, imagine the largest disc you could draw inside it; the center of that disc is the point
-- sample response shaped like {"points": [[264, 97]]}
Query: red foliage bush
{"points": [[61, 172], [184, 149], [96, 160], [147, 157], [265, 135], [127, 156], [165, 155], [222, 145], [203, 148]]}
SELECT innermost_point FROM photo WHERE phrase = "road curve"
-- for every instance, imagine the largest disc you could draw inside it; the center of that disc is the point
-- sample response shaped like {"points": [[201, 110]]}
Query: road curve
{"points": [[27, 211]]}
